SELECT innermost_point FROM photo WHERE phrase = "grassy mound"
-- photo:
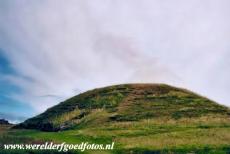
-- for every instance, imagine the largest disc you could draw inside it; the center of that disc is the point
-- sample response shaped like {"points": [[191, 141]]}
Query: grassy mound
{"points": [[125, 103]]}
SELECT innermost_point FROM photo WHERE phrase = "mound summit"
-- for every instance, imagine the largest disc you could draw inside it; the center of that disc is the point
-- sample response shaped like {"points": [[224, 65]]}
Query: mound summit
{"points": [[127, 102]]}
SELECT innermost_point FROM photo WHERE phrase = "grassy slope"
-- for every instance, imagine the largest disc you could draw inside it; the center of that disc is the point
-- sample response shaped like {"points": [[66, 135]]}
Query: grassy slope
{"points": [[137, 117], [125, 103]]}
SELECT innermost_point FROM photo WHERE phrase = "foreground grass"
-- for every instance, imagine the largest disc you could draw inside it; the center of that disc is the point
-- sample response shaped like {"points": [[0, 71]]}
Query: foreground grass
{"points": [[198, 135]]}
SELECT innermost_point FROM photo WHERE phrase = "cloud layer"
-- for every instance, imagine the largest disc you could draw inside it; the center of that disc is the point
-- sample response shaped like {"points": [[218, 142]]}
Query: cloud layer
{"points": [[60, 48]]}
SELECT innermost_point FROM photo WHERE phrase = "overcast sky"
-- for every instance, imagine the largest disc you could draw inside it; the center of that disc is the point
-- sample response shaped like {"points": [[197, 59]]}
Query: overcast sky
{"points": [[51, 50]]}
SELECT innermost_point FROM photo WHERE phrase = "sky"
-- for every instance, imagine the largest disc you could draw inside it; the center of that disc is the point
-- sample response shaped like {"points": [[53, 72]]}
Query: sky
{"points": [[51, 50]]}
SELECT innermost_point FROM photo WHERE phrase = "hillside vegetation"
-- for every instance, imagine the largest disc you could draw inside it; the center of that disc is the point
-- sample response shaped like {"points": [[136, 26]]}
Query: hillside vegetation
{"points": [[130, 102], [138, 118]]}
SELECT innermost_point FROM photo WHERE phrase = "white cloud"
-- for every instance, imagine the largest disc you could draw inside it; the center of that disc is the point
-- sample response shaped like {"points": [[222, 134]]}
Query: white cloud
{"points": [[60, 48]]}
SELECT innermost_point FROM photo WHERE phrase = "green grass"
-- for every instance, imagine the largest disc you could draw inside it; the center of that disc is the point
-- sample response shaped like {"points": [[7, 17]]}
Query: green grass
{"points": [[131, 102], [207, 134], [139, 118]]}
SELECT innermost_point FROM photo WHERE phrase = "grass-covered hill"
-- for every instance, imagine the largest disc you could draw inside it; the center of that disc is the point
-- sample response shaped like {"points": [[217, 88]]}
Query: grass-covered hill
{"points": [[129, 102], [138, 118]]}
